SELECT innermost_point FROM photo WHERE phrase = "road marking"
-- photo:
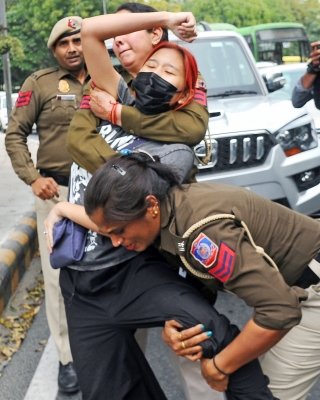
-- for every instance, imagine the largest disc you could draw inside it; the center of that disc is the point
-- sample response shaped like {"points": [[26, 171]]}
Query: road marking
{"points": [[44, 384]]}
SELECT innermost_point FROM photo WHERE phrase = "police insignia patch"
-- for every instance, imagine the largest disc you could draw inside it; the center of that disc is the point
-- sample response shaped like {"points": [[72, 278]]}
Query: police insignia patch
{"points": [[63, 86], [204, 250], [224, 267], [200, 84], [200, 97], [23, 99], [85, 103], [72, 23]]}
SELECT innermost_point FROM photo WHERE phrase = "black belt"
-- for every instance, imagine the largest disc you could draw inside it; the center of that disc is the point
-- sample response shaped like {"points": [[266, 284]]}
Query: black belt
{"points": [[60, 179], [308, 277]]}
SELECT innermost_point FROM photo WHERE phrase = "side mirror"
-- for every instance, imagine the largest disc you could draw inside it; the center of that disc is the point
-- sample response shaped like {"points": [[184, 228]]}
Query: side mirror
{"points": [[274, 81]]}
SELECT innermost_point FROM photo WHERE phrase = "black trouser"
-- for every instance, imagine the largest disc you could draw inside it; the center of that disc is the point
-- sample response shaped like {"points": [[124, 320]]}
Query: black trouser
{"points": [[104, 308]]}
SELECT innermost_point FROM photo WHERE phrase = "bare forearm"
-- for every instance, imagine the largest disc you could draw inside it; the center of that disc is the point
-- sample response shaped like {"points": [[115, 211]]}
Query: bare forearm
{"points": [[252, 342], [75, 213], [108, 26], [307, 80]]}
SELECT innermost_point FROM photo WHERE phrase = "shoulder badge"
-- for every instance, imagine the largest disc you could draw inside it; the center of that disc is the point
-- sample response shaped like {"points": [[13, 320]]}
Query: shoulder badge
{"points": [[85, 103], [200, 84], [23, 98], [204, 250], [200, 97], [225, 263], [63, 86]]}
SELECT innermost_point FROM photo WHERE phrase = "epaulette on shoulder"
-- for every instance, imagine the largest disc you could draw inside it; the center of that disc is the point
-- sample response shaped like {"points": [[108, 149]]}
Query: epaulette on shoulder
{"points": [[36, 75]]}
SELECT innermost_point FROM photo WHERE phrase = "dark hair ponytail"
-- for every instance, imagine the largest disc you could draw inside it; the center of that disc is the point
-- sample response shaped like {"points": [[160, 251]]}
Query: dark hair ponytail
{"points": [[121, 185]]}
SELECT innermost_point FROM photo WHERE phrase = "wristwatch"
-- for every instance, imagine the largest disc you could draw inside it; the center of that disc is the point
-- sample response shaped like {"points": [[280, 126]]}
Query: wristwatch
{"points": [[312, 69]]}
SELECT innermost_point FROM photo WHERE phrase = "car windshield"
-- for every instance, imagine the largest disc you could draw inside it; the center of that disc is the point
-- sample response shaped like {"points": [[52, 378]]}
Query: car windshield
{"points": [[225, 67]]}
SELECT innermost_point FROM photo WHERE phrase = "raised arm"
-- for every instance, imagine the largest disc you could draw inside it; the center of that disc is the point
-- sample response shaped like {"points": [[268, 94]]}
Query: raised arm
{"points": [[96, 30]]}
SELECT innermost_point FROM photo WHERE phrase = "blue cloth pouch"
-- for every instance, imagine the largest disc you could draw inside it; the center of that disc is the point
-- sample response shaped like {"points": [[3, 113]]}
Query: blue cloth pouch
{"points": [[69, 241]]}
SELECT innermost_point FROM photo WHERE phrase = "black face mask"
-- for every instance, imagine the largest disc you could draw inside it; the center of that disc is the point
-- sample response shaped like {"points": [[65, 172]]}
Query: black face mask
{"points": [[153, 94]]}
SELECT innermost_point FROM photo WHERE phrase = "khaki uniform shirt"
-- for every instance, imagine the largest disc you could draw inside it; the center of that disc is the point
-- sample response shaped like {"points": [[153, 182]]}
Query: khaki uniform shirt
{"points": [[89, 150], [48, 98], [222, 247]]}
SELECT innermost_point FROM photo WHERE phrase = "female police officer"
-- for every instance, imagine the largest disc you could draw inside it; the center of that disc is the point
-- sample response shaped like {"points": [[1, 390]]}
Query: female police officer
{"points": [[219, 232]]}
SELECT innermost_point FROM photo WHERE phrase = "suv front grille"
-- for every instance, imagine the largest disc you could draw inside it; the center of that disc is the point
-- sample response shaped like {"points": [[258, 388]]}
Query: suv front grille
{"points": [[236, 151]]}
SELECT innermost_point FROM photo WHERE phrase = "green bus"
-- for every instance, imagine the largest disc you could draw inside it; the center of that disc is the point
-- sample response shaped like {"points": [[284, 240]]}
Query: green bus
{"points": [[280, 42]]}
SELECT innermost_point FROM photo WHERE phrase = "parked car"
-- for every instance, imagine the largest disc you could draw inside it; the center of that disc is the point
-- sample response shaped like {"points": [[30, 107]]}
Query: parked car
{"points": [[258, 142], [292, 73], [4, 114], [3, 110]]}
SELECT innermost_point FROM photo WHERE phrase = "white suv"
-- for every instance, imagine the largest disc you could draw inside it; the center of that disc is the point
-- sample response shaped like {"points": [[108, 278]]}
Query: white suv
{"points": [[259, 142]]}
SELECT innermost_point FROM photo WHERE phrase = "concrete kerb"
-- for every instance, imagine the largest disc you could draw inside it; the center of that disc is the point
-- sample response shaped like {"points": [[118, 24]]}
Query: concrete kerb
{"points": [[16, 254]]}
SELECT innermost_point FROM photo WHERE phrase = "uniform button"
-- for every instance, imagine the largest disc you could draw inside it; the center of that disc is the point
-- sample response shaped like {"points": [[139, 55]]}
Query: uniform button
{"points": [[131, 131]]}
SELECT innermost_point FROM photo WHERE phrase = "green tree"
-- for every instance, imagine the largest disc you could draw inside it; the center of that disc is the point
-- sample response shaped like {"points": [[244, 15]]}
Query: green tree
{"points": [[31, 21], [247, 12]]}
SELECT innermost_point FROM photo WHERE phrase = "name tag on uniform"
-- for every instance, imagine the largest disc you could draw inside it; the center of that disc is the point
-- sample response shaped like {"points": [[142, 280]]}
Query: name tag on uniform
{"points": [[68, 97]]}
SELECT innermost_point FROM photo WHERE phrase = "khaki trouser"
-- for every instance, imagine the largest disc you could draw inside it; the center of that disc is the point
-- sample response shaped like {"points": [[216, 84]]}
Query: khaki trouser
{"points": [[193, 384], [54, 301], [293, 364]]}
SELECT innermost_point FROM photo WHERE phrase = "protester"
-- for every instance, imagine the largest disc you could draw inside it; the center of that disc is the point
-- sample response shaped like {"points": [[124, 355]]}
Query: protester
{"points": [[85, 295], [308, 86], [49, 99], [262, 252], [186, 125]]}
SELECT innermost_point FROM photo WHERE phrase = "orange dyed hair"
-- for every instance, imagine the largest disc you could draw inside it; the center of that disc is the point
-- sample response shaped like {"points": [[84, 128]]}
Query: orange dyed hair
{"points": [[191, 71]]}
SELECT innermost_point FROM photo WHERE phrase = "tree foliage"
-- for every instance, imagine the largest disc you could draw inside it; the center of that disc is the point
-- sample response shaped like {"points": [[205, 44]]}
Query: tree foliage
{"points": [[31, 21]]}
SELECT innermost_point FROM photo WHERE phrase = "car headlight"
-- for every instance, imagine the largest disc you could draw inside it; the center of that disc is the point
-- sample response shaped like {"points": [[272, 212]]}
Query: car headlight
{"points": [[297, 136]]}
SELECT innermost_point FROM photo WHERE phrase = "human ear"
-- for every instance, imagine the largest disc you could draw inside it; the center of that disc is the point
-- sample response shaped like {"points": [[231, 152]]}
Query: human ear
{"points": [[156, 36], [184, 96], [153, 205], [54, 51]]}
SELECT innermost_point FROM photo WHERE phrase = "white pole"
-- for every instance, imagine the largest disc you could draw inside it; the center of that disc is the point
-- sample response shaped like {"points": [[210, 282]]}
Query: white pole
{"points": [[6, 59]]}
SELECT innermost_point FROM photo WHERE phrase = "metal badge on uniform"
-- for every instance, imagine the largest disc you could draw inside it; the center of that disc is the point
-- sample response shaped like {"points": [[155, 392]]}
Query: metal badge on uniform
{"points": [[72, 23], [68, 97], [63, 86], [204, 250], [200, 84], [225, 263]]}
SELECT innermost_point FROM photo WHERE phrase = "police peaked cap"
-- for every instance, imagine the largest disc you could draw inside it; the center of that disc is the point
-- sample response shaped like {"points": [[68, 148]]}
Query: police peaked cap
{"points": [[65, 27]]}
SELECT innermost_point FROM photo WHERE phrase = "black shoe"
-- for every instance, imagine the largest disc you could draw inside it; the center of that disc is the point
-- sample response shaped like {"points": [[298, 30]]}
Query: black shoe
{"points": [[67, 379]]}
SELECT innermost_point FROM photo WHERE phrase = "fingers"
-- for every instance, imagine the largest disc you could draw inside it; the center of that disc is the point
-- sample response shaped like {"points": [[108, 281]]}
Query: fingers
{"points": [[45, 188], [196, 340], [185, 342], [49, 236], [173, 324]]}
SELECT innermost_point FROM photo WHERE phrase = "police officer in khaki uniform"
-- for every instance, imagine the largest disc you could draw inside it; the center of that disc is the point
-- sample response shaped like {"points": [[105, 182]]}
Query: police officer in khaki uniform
{"points": [[264, 253], [50, 98]]}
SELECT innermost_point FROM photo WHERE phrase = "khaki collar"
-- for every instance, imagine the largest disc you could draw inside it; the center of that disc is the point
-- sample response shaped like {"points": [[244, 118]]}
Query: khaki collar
{"points": [[170, 241], [63, 72]]}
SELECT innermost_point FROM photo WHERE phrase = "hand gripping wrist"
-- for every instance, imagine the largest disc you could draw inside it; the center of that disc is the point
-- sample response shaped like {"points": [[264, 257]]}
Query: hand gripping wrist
{"points": [[218, 369]]}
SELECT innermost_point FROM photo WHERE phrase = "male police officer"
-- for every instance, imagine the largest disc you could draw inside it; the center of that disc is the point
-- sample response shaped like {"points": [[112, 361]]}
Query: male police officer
{"points": [[50, 98]]}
